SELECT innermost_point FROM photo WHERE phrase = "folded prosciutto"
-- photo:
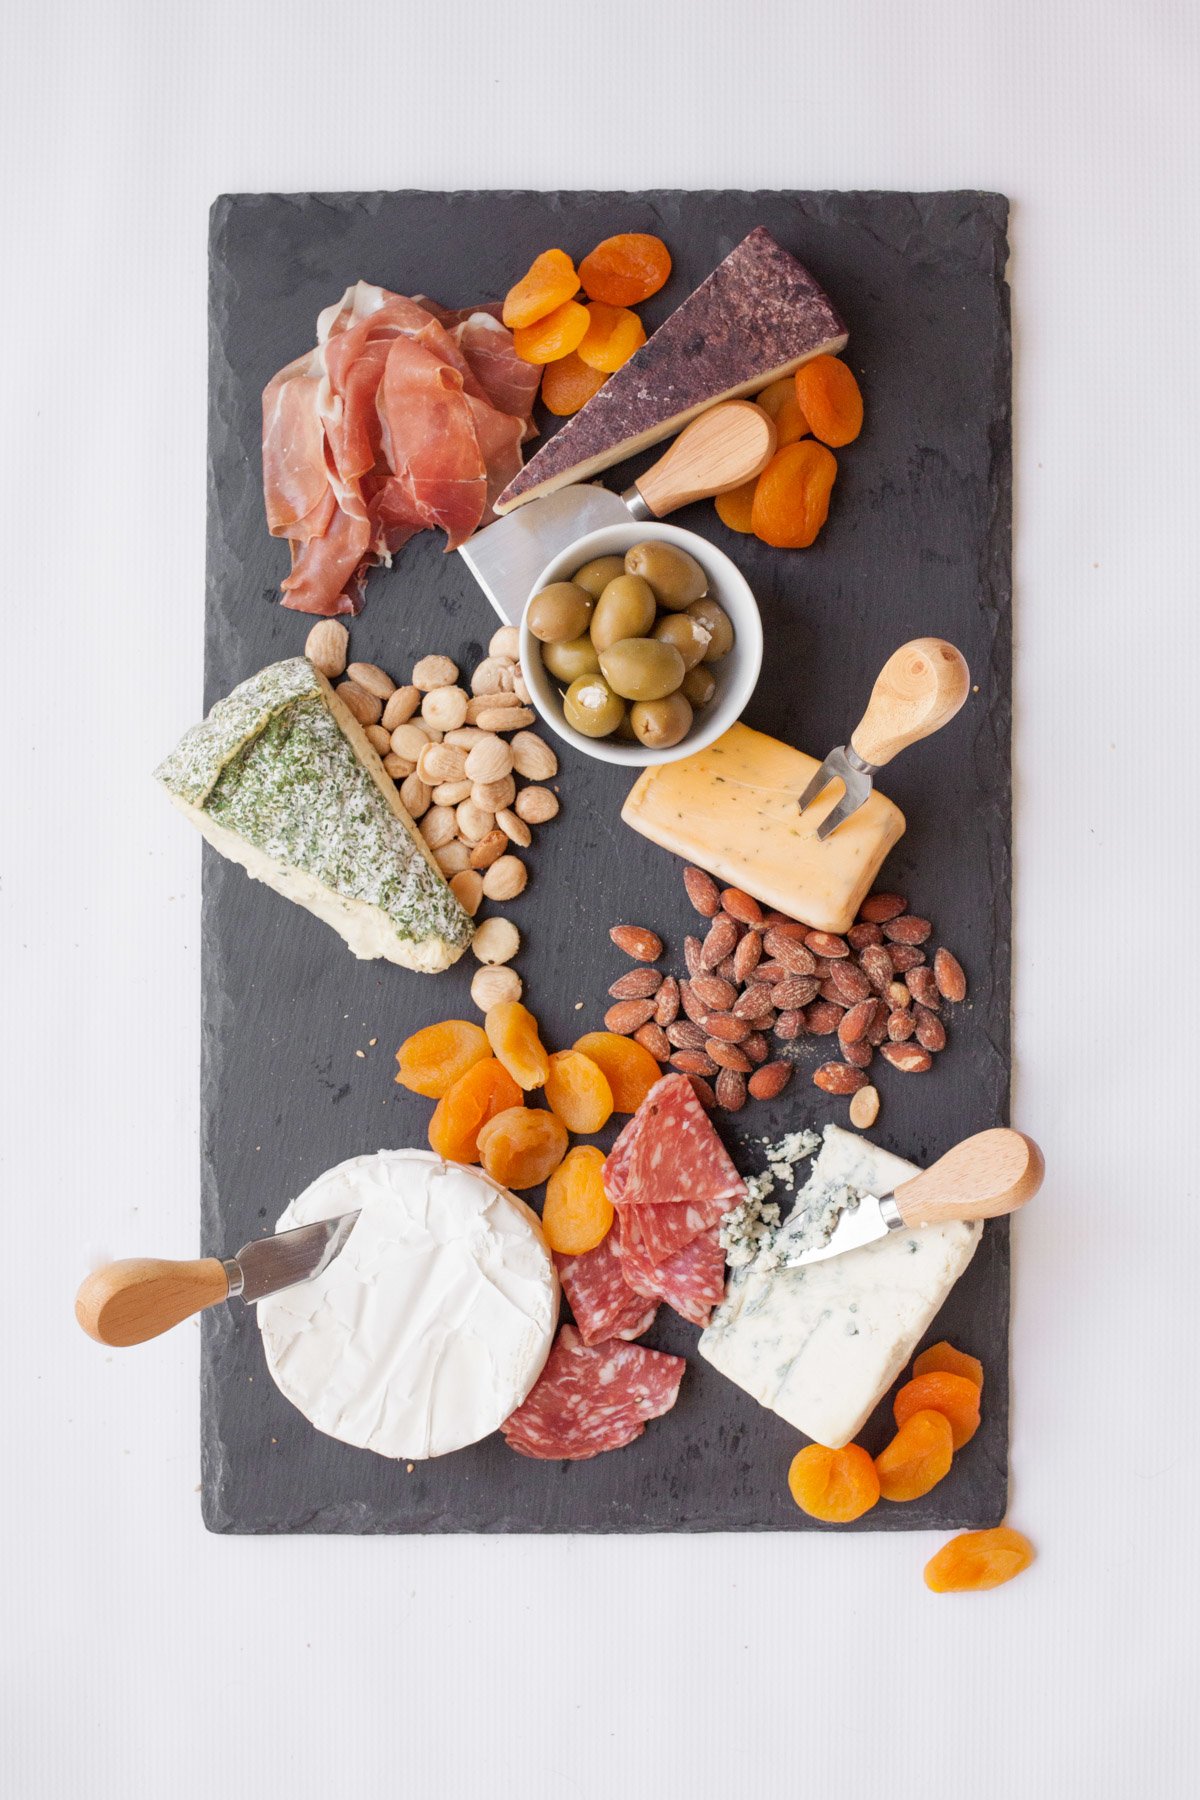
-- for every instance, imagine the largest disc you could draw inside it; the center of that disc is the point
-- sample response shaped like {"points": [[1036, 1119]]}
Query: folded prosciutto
{"points": [[405, 417]]}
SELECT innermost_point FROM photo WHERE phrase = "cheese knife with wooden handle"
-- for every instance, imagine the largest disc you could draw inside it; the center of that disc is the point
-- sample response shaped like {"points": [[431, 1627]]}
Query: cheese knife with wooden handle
{"points": [[140, 1298], [987, 1175]]}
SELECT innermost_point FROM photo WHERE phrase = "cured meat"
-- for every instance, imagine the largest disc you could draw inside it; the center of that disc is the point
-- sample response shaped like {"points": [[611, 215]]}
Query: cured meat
{"points": [[592, 1397], [669, 1153], [604, 1304], [662, 1229], [405, 417], [692, 1281]]}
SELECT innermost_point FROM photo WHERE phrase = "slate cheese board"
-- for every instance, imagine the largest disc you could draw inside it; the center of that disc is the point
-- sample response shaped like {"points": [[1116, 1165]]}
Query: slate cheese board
{"points": [[299, 1038]]}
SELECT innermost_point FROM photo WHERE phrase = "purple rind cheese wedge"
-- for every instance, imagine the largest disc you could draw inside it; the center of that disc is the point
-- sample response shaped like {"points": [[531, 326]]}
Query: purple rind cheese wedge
{"points": [[759, 315]]}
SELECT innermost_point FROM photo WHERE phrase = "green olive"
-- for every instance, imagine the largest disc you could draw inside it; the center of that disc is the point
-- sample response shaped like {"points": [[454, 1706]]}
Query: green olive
{"points": [[676, 577], [689, 636], [698, 686], [595, 576], [660, 723], [625, 609], [716, 619], [590, 706], [560, 612], [567, 662], [642, 668]]}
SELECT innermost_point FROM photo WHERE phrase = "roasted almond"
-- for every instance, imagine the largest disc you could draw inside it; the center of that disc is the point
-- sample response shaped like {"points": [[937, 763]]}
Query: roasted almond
{"points": [[690, 1004], [897, 994], [755, 1047], [685, 1034], [721, 942], [910, 1059], [826, 943], [948, 973], [905, 957], [931, 1033], [638, 984], [445, 709], [770, 970], [822, 1017], [666, 1005], [693, 1062], [702, 891], [638, 942], [654, 1039], [877, 909], [770, 1080], [756, 1002], [741, 906], [515, 829], [366, 707], [625, 1017], [839, 1078], [877, 1029], [723, 1025], [860, 936], [794, 990], [907, 929], [747, 956], [326, 646], [923, 987], [731, 1090], [728, 1056], [859, 1054], [532, 757], [703, 1092], [850, 982], [855, 1023], [790, 1025], [692, 949], [710, 990], [900, 1025], [488, 850], [794, 957], [781, 928], [877, 967]]}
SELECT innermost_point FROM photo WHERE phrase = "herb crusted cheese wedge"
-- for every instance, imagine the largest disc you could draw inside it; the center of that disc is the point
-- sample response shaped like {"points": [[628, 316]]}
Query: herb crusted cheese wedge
{"points": [[281, 778]]}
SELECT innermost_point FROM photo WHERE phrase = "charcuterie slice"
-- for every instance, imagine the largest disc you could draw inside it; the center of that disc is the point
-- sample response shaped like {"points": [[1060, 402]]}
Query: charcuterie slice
{"points": [[603, 1302], [660, 1231], [692, 1281], [669, 1154], [593, 1397]]}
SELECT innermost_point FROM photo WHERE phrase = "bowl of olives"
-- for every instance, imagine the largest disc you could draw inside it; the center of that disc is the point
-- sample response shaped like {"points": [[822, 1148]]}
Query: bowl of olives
{"points": [[641, 643]]}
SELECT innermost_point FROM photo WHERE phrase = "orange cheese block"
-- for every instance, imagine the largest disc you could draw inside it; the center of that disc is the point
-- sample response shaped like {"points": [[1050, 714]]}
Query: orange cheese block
{"points": [[731, 809]]}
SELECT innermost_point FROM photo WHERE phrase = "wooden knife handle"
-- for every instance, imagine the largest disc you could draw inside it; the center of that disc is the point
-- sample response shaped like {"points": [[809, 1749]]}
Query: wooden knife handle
{"points": [[128, 1302], [920, 688], [991, 1173], [727, 445]]}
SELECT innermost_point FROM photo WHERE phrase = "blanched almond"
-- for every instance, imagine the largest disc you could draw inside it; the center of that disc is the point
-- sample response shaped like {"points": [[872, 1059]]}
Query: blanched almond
{"points": [[864, 1108], [494, 796], [514, 827], [498, 702], [467, 888], [401, 707], [445, 708], [451, 793], [414, 796], [371, 677], [398, 767], [380, 739], [488, 849], [535, 805], [506, 643], [496, 718], [489, 759], [532, 757], [434, 672], [326, 646], [489, 986], [441, 762], [409, 740], [453, 858], [497, 940], [490, 676], [505, 879], [473, 823], [439, 826]]}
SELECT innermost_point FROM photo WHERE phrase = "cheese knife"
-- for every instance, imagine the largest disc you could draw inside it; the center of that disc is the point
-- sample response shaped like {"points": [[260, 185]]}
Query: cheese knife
{"points": [[992, 1173], [920, 688], [131, 1301], [727, 445]]}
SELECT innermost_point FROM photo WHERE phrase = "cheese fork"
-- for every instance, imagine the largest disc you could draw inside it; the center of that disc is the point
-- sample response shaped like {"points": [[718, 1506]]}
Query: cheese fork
{"points": [[140, 1298], [985, 1176], [919, 689]]}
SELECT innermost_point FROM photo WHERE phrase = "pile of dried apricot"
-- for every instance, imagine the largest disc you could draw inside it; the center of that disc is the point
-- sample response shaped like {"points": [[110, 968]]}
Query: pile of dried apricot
{"points": [[816, 410], [580, 344], [936, 1413], [480, 1079]]}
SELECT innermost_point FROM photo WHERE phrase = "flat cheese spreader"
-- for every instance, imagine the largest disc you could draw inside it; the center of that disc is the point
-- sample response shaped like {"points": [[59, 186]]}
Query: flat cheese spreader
{"points": [[735, 807]]}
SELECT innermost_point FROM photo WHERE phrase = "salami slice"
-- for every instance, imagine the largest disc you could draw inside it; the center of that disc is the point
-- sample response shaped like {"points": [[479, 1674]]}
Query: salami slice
{"points": [[592, 1397], [604, 1304], [661, 1230], [669, 1154], [692, 1280]]}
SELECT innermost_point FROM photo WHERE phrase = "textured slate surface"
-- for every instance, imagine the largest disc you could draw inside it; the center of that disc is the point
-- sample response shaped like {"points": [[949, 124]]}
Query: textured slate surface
{"points": [[917, 542]]}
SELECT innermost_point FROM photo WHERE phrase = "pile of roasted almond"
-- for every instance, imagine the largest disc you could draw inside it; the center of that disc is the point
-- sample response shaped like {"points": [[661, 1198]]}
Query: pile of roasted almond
{"points": [[758, 974], [456, 757]]}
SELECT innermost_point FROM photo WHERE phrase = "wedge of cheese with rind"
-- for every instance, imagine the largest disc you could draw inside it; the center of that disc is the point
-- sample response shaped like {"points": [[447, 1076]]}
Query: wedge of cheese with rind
{"points": [[822, 1344], [281, 778], [759, 315]]}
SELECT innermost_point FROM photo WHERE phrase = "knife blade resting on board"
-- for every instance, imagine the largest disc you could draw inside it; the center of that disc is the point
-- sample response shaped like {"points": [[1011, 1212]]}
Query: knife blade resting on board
{"points": [[727, 445], [128, 1302]]}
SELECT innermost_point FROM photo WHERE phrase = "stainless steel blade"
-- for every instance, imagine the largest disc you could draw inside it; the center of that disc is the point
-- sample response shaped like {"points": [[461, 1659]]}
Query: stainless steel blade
{"points": [[271, 1263], [859, 1225], [506, 558], [845, 765]]}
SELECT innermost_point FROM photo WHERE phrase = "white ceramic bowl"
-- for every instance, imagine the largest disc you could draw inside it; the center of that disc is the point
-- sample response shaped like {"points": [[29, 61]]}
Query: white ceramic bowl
{"points": [[736, 674]]}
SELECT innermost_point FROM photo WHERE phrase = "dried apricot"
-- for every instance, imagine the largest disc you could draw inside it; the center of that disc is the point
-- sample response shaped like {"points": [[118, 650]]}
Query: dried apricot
{"points": [[917, 1458], [833, 1485], [953, 1395], [830, 400], [578, 1214], [569, 384], [790, 423], [512, 1031], [550, 280], [577, 1091], [486, 1089], [612, 336], [522, 1147], [954, 1362], [978, 1560], [791, 500], [433, 1059], [773, 397], [628, 1065], [625, 269], [736, 507], [556, 335]]}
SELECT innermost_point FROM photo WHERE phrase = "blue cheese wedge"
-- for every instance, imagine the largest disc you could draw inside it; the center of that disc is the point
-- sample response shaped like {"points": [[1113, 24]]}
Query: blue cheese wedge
{"points": [[281, 778], [821, 1345]]}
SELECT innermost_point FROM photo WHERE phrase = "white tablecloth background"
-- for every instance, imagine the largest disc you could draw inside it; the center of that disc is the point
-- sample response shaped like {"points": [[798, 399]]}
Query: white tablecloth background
{"points": [[142, 1657]]}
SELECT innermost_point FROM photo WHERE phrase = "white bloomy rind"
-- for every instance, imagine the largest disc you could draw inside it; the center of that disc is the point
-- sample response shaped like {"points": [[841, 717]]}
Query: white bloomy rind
{"points": [[821, 1345], [432, 1324]]}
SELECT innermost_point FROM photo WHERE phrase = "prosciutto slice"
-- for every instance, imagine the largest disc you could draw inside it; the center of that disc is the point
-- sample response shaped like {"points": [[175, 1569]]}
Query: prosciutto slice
{"points": [[407, 416]]}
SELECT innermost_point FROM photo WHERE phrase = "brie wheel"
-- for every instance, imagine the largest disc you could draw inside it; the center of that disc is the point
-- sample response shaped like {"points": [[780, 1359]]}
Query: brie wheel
{"points": [[431, 1325]]}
